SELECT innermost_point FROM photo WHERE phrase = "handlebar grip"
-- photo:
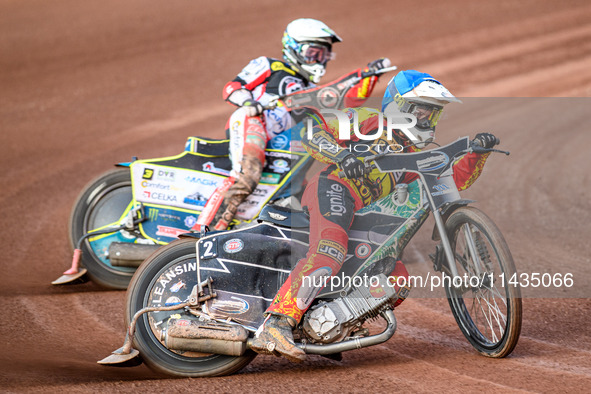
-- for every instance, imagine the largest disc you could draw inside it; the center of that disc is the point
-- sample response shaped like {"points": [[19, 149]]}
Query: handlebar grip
{"points": [[477, 148], [377, 72], [369, 167]]}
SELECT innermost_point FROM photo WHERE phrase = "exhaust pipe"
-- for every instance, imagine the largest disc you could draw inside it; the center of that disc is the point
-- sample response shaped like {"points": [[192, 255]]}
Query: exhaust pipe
{"points": [[125, 254], [232, 340], [356, 343], [205, 337]]}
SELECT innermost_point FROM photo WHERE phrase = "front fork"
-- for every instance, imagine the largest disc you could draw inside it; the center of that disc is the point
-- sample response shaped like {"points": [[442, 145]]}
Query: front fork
{"points": [[445, 244]]}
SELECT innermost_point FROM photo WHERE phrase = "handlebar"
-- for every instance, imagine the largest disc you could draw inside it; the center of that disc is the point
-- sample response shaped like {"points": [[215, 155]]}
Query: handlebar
{"points": [[275, 102], [474, 147], [377, 72], [477, 148]]}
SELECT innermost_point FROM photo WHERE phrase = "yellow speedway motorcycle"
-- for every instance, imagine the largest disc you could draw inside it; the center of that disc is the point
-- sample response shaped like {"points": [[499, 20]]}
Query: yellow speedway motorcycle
{"points": [[193, 307], [126, 214]]}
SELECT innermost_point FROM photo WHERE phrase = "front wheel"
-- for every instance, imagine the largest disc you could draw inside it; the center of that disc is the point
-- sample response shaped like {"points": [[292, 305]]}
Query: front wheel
{"points": [[485, 305], [164, 279], [101, 204]]}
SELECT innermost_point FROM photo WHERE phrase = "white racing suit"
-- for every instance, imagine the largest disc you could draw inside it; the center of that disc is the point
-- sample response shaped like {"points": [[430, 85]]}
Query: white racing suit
{"points": [[263, 79]]}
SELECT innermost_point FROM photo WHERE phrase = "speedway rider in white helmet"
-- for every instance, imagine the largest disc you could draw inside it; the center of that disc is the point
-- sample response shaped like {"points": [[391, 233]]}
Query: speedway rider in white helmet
{"points": [[332, 202], [307, 48]]}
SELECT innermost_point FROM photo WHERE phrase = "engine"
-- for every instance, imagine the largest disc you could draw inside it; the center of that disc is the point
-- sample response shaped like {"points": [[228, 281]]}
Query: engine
{"points": [[332, 321]]}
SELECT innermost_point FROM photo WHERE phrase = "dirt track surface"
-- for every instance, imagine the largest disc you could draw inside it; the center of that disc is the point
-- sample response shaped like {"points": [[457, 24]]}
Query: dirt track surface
{"points": [[87, 84]]}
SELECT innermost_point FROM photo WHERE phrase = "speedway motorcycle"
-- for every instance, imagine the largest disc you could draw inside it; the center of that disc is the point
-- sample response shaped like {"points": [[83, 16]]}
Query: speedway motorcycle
{"points": [[193, 307], [126, 214]]}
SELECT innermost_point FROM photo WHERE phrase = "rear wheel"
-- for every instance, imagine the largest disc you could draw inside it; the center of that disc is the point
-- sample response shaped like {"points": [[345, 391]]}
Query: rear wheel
{"points": [[486, 307], [102, 202], [165, 278]]}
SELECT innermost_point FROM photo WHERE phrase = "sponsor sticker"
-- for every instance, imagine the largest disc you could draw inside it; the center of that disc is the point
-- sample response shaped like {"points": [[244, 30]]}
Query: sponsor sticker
{"points": [[196, 198], [436, 161], [172, 301], [289, 85], [154, 185], [279, 142], [148, 173], [165, 175], [441, 189], [362, 250], [210, 167], [280, 165], [270, 178], [296, 146], [377, 291], [336, 199], [190, 221], [234, 245], [329, 97], [159, 196], [332, 249], [201, 181], [277, 216], [177, 286], [170, 232]]}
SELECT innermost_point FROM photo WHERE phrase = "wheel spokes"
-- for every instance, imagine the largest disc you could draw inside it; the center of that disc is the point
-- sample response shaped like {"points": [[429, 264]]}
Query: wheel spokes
{"points": [[473, 254]]}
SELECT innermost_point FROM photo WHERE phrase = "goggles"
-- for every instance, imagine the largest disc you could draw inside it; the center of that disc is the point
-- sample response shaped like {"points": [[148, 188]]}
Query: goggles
{"points": [[314, 53], [427, 115]]}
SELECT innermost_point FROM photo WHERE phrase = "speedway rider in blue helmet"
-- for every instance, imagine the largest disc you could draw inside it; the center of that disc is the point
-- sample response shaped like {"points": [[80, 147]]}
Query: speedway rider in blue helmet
{"points": [[332, 201]]}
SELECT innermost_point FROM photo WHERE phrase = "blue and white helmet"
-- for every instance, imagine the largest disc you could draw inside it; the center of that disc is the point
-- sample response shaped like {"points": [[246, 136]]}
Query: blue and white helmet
{"points": [[421, 95], [307, 46]]}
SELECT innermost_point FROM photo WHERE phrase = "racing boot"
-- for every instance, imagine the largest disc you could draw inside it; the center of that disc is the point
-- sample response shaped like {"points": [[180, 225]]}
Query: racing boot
{"points": [[275, 337], [248, 180], [225, 214]]}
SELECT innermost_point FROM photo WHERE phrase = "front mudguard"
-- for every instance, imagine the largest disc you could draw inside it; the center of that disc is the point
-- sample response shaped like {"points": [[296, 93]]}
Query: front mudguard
{"points": [[446, 211]]}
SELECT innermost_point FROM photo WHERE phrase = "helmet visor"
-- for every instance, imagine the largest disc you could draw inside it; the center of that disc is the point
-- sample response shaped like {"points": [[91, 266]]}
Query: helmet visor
{"points": [[315, 53], [427, 115]]}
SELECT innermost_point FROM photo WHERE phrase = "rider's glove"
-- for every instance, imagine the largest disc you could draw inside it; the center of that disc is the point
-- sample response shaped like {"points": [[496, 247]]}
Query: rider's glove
{"points": [[352, 167], [253, 108], [486, 140], [377, 65]]}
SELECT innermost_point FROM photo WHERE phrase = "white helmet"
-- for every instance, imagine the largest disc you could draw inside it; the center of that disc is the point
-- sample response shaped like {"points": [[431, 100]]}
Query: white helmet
{"points": [[307, 46], [420, 94]]}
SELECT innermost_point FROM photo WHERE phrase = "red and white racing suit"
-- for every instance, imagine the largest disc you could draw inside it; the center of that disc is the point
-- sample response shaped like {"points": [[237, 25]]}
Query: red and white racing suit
{"points": [[332, 202], [263, 80]]}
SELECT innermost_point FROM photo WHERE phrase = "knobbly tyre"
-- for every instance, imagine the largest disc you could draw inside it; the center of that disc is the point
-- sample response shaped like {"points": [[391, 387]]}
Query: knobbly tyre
{"points": [[126, 214], [192, 308]]}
